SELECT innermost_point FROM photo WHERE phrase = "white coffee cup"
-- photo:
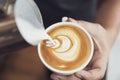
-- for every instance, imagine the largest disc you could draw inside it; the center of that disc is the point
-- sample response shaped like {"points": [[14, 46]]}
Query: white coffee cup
{"points": [[68, 72]]}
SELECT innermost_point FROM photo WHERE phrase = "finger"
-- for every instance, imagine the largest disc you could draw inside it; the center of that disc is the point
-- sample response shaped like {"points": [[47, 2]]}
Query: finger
{"points": [[84, 23], [72, 20], [58, 77], [83, 74], [78, 21], [73, 77], [94, 74], [81, 22]]}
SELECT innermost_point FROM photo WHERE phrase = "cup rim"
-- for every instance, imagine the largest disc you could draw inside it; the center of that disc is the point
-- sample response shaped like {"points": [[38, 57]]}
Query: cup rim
{"points": [[68, 72]]}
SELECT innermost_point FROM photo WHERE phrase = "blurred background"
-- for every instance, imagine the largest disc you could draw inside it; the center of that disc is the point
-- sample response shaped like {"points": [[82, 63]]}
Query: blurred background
{"points": [[20, 61]]}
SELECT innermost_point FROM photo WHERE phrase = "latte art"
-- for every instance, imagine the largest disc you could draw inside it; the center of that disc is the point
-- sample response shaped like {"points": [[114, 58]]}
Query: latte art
{"points": [[71, 46], [67, 49]]}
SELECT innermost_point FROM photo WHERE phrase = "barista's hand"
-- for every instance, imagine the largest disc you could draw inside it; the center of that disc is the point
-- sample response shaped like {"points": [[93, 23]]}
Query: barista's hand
{"points": [[97, 67]]}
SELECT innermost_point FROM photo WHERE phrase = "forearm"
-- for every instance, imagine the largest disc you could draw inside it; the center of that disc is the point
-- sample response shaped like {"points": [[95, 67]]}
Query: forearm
{"points": [[108, 15]]}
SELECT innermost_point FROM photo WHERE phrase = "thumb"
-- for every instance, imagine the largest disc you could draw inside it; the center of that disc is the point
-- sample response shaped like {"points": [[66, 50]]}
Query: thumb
{"points": [[94, 74], [72, 20], [58, 77]]}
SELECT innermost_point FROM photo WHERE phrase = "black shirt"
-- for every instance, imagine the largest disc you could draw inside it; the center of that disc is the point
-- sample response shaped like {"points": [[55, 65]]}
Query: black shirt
{"points": [[53, 10]]}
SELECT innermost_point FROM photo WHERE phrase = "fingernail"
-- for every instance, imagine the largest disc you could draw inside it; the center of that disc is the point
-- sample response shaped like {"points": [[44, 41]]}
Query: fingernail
{"points": [[64, 19]]}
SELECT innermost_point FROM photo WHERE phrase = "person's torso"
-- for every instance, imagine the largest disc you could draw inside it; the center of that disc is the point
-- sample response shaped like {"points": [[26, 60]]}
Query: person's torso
{"points": [[53, 10]]}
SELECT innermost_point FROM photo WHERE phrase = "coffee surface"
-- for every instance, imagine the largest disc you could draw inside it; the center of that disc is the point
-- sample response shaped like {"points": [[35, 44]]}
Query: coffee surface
{"points": [[71, 49]]}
